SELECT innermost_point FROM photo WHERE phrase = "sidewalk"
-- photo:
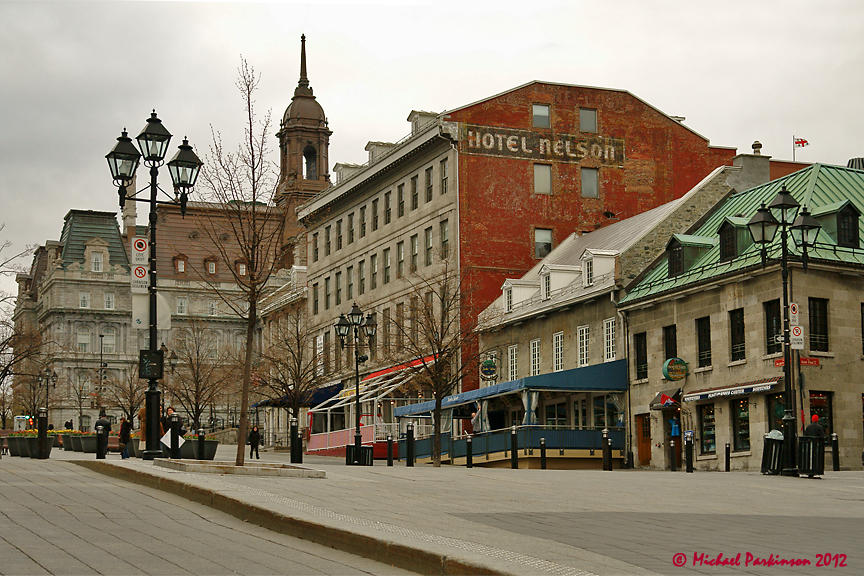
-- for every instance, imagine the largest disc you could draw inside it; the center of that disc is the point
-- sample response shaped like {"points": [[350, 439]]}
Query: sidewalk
{"points": [[457, 520]]}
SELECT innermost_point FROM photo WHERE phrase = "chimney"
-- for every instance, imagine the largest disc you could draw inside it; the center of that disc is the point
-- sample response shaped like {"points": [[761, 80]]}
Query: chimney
{"points": [[755, 169], [130, 212]]}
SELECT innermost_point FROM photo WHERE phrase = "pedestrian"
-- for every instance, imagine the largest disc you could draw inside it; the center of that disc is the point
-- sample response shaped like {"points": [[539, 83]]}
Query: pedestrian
{"points": [[254, 440], [50, 426], [815, 429], [125, 437], [106, 428], [68, 425]]}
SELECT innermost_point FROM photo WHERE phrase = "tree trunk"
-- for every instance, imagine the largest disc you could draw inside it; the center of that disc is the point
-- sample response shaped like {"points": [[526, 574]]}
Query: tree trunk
{"points": [[251, 319], [436, 433]]}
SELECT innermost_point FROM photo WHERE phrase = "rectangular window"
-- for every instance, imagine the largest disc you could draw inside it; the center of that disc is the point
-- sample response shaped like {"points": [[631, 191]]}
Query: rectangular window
{"points": [[670, 342], [444, 229], [387, 211], [338, 288], [414, 252], [428, 183], [737, 349], [339, 234], [386, 265], [583, 333], [414, 193], [349, 282], [374, 214], [740, 409], [580, 414], [512, 362], [400, 325], [640, 351], [773, 327], [558, 352], [361, 277], [415, 326], [362, 221], [109, 342], [109, 301], [540, 116], [822, 405], [96, 262], [590, 182], [400, 259], [535, 357], [508, 299], [703, 340], [427, 234], [327, 241], [182, 305], [707, 430], [598, 408], [241, 269], [442, 173], [542, 179], [546, 287], [315, 298], [818, 324], [350, 228], [315, 247], [211, 267], [181, 265], [400, 200], [542, 242], [589, 272], [327, 293], [83, 300], [609, 339], [588, 120], [373, 271], [556, 415], [337, 354], [385, 323], [83, 340], [319, 355]]}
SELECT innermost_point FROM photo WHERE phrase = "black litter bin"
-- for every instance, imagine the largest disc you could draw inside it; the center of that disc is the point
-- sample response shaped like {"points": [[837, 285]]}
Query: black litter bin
{"points": [[365, 455], [772, 453], [811, 456]]}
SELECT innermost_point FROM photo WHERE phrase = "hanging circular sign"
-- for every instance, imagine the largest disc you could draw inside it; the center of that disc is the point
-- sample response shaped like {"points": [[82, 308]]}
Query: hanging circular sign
{"points": [[675, 369], [488, 369]]}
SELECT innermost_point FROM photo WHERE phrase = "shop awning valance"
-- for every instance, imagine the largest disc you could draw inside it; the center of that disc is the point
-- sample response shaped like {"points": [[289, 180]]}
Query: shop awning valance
{"points": [[666, 399], [754, 387]]}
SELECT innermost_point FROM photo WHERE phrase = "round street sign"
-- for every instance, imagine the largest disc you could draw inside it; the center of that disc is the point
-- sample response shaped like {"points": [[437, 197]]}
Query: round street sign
{"points": [[140, 271], [793, 308], [796, 331], [140, 245]]}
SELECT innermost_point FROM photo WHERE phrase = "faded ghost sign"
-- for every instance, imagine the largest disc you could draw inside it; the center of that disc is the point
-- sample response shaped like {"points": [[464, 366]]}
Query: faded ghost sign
{"points": [[492, 141]]}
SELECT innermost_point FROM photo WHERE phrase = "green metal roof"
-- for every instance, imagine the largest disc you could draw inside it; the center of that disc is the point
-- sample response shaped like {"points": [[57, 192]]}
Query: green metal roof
{"points": [[80, 226], [818, 186], [736, 221], [694, 240]]}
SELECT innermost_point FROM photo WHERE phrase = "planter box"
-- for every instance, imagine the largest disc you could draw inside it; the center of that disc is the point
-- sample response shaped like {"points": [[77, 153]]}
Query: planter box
{"points": [[209, 450], [76, 442], [14, 446], [88, 444], [67, 442], [33, 446], [56, 442], [133, 447]]}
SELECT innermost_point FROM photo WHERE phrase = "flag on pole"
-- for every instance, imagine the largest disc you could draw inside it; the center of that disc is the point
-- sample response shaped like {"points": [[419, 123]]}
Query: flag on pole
{"points": [[801, 142]]}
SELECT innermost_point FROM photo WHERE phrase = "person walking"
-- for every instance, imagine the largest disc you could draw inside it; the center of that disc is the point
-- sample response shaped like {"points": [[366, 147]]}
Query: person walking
{"points": [[125, 437], [106, 429], [254, 440]]}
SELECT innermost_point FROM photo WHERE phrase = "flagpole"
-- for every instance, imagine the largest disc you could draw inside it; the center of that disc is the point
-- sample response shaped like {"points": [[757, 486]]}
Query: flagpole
{"points": [[793, 147]]}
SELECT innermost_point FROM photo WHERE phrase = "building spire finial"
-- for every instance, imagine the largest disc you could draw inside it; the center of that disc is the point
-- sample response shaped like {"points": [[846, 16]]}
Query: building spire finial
{"points": [[304, 81]]}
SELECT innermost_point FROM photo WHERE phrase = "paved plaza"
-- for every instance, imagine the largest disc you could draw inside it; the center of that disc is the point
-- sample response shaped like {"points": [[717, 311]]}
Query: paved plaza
{"points": [[542, 521]]}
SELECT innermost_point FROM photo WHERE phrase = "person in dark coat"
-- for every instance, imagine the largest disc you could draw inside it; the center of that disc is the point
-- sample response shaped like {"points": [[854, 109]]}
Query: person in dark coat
{"points": [[106, 426], [254, 440], [125, 437], [815, 429]]}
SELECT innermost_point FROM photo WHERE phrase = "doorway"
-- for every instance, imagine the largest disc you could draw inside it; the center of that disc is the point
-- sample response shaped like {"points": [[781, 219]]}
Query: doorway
{"points": [[672, 431], [643, 439]]}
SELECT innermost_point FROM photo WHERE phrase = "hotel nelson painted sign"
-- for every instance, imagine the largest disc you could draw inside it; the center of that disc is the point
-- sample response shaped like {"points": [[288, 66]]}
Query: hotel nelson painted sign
{"points": [[492, 141]]}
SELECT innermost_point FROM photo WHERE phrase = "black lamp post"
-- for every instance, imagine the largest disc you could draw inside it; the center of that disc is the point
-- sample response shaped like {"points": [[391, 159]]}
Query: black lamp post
{"points": [[763, 227], [184, 167], [45, 378], [345, 327]]}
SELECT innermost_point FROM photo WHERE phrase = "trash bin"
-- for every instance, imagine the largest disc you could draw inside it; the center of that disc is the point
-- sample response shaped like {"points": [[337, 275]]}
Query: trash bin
{"points": [[365, 455], [772, 452], [811, 456]]}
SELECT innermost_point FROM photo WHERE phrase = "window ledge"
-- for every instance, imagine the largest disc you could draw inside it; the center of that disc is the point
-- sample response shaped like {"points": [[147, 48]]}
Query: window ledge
{"points": [[706, 457], [772, 356], [645, 380], [737, 363], [703, 369], [742, 454], [821, 354]]}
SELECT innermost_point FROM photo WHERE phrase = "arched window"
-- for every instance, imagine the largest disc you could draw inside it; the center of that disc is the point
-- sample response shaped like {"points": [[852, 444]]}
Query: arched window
{"points": [[310, 163]]}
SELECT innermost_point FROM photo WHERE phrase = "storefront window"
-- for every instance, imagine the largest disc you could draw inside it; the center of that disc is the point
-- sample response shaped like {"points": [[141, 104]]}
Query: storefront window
{"points": [[821, 404], [599, 412], [614, 416], [580, 414], [556, 415], [707, 440], [776, 409], [740, 424]]}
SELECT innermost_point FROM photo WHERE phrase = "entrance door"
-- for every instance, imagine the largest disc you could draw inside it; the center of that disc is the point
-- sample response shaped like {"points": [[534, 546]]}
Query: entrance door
{"points": [[672, 431], [643, 438]]}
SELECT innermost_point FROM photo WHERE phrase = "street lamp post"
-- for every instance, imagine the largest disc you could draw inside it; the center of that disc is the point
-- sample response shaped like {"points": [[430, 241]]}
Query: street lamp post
{"points": [[184, 167], [45, 377], [345, 327], [781, 213]]}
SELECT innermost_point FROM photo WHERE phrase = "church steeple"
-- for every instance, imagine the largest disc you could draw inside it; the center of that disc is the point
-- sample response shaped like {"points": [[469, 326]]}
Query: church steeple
{"points": [[303, 88]]}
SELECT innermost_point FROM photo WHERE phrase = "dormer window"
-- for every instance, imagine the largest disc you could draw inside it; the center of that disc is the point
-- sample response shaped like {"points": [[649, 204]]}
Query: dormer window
{"points": [[588, 267], [508, 299], [210, 265], [675, 255], [545, 286], [96, 262], [241, 268], [847, 227], [180, 264], [728, 244]]}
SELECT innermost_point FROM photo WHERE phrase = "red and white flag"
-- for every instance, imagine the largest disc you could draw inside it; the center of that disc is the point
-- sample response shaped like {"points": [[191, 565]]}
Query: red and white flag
{"points": [[801, 142]]}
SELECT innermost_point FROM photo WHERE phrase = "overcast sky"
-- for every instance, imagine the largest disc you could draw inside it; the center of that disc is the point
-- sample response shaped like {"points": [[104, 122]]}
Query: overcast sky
{"points": [[73, 74]]}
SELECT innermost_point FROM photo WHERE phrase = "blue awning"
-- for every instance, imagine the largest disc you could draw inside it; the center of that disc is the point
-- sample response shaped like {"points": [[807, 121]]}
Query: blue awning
{"points": [[317, 397], [605, 377]]}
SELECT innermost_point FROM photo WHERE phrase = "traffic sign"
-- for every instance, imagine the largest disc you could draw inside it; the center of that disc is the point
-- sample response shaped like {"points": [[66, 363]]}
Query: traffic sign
{"points": [[140, 250], [139, 279], [793, 314], [166, 440], [796, 338]]}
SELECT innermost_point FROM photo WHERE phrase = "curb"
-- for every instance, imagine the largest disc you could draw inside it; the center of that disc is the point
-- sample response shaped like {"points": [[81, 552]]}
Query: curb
{"points": [[380, 550]]}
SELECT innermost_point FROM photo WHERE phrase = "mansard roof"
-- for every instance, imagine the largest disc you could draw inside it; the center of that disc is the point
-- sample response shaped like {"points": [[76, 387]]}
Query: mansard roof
{"points": [[81, 226]]}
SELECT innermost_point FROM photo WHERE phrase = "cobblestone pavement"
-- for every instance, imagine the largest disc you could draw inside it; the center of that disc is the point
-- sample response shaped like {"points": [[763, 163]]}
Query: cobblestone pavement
{"points": [[570, 522], [58, 518]]}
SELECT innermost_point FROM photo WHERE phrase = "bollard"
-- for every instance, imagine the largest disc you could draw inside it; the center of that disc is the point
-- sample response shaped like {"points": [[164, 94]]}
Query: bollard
{"points": [[389, 450], [101, 441], [606, 447], [542, 453], [514, 448], [688, 453], [409, 445], [174, 421], [673, 467], [609, 447], [201, 444], [728, 458], [835, 452], [294, 433], [469, 453], [42, 442]]}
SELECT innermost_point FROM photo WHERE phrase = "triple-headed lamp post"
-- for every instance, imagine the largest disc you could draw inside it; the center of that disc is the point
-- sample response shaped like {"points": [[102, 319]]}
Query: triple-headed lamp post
{"points": [[781, 213], [184, 167], [344, 328]]}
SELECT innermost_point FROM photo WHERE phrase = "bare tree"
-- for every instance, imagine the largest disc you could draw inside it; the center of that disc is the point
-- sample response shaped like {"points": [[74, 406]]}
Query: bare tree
{"points": [[5, 402], [437, 339], [20, 359], [126, 393], [203, 369], [291, 364]]}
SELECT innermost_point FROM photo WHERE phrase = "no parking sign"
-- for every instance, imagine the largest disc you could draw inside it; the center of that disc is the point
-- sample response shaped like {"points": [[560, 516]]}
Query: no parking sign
{"points": [[140, 250]]}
